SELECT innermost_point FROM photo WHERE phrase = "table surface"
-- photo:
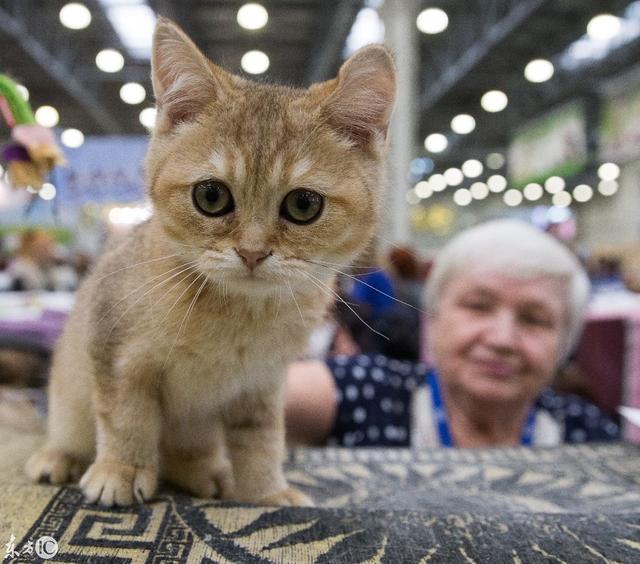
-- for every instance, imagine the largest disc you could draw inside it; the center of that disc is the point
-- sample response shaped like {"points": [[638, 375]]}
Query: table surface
{"points": [[572, 504]]}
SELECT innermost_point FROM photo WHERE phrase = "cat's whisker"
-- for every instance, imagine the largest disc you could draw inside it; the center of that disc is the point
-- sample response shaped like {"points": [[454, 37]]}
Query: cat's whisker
{"points": [[187, 314], [323, 286], [139, 298], [278, 306], [136, 264], [366, 269], [296, 302], [385, 240], [370, 286], [142, 286], [179, 297], [225, 292]]}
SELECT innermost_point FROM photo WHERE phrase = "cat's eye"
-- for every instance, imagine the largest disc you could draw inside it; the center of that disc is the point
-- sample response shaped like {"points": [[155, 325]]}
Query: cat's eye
{"points": [[302, 206], [212, 198]]}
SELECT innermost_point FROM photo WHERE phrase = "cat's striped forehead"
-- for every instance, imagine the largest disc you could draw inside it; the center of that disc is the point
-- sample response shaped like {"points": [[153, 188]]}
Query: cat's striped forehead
{"points": [[234, 164]]}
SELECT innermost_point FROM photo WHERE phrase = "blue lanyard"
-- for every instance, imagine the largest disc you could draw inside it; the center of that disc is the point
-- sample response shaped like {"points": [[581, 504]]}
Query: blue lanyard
{"points": [[440, 414]]}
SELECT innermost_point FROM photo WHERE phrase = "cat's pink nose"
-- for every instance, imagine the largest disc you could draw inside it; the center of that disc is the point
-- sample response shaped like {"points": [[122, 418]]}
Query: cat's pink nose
{"points": [[252, 258]]}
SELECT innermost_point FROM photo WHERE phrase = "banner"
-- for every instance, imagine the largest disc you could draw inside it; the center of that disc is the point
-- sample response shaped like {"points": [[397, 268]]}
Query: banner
{"points": [[555, 144], [620, 127], [104, 169]]}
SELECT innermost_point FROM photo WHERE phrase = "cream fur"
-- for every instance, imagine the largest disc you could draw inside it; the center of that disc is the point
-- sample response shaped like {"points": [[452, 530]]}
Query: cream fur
{"points": [[172, 364]]}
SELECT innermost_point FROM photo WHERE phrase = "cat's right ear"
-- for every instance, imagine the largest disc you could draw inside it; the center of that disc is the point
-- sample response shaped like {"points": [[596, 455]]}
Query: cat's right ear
{"points": [[183, 79], [364, 92]]}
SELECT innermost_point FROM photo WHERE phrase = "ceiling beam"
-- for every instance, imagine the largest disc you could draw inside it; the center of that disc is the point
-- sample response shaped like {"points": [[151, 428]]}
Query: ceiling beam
{"points": [[329, 49], [59, 72], [435, 90]]}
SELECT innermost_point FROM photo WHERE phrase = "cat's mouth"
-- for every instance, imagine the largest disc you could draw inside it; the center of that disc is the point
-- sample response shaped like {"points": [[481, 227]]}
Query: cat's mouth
{"points": [[244, 279]]}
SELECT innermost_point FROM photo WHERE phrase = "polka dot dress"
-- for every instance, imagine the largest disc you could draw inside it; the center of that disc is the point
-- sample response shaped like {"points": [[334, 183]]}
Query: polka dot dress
{"points": [[582, 421], [374, 399], [374, 395]]}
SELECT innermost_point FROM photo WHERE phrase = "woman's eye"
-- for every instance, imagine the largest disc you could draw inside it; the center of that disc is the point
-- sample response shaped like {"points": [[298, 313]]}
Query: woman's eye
{"points": [[212, 198], [533, 319], [302, 206], [476, 306]]}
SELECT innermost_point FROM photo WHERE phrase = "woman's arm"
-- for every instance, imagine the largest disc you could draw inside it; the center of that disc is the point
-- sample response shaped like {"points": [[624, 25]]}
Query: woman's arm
{"points": [[310, 403]]}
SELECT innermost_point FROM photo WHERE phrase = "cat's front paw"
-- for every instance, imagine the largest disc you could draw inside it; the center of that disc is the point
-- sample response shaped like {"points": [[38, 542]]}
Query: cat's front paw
{"points": [[53, 466], [290, 496], [114, 483], [204, 477]]}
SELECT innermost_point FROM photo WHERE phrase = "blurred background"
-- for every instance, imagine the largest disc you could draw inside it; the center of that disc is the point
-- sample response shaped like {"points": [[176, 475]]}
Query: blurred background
{"points": [[522, 108], [507, 107]]}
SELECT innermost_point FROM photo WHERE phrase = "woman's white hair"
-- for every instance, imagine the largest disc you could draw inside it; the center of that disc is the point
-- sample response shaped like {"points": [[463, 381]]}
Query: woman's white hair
{"points": [[515, 248]]}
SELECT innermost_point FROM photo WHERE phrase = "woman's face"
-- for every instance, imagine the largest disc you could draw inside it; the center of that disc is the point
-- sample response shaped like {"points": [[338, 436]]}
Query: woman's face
{"points": [[498, 338]]}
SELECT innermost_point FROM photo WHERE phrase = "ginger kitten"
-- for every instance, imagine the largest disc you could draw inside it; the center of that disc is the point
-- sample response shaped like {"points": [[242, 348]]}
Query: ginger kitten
{"points": [[172, 364]]}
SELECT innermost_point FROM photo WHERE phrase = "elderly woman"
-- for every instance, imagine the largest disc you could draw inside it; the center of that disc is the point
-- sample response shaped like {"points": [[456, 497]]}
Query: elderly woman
{"points": [[505, 304]]}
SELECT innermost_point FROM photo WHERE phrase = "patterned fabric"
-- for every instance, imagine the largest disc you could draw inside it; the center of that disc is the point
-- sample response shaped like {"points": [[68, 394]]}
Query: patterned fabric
{"points": [[383, 506], [375, 396], [582, 421]]}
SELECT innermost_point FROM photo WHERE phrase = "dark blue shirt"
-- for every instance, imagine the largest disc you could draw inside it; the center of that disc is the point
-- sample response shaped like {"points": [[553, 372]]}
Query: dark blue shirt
{"points": [[374, 401]]}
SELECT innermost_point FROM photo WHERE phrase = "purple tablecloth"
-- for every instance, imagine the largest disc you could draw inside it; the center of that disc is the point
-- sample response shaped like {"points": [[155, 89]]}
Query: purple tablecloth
{"points": [[43, 331]]}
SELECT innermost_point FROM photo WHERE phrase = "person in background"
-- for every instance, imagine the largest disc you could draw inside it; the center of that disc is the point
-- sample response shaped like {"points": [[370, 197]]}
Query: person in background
{"points": [[405, 271], [31, 269], [373, 290], [506, 305], [370, 297], [607, 275]]}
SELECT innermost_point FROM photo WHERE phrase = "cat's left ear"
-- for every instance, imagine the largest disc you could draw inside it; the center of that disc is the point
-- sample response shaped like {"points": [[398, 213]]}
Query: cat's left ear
{"points": [[183, 78], [360, 107]]}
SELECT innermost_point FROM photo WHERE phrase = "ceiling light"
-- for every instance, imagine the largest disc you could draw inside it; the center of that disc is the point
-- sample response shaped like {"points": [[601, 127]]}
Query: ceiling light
{"points": [[423, 189], [557, 214], [109, 60], [134, 22], [479, 190], [47, 116], [495, 161], [432, 21], [497, 183], [437, 182], [609, 171], [252, 16], [148, 117], [562, 199], [582, 193], [494, 101], [462, 197], [512, 197], [132, 93], [129, 215], [412, 197], [75, 16], [554, 184], [436, 143], [533, 192], [23, 91], [367, 28], [603, 27], [255, 62], [47, 192], [421, 166], [608, 187], [472, 168], [539, 70], [463, 124], [72, 138], [453, 176]]}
